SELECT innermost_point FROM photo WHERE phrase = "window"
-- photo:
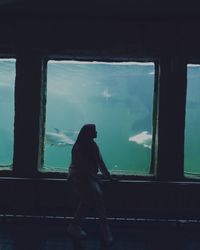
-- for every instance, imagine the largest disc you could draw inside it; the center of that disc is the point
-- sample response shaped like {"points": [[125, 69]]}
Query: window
{"points": [[7, 79], [192, 135], [117, 97]]}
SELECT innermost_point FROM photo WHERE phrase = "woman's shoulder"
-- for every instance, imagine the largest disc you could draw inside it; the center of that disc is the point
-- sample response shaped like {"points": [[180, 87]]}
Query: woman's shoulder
{"points": [[95, 149], [95, 146]]}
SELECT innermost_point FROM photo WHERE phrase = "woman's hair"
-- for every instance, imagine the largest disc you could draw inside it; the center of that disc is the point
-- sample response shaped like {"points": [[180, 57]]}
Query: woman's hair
{"points": [[86, 134], [86, 147]]}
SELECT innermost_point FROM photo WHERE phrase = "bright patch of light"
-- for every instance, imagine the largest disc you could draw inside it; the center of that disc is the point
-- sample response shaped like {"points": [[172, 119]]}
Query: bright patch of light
{"points": [[7, 60], [106, 93], [193, 65], [96, 62]]}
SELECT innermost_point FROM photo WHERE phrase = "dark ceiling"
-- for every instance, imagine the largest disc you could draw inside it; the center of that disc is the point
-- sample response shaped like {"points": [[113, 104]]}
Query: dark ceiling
{"points": [[140, 9]]}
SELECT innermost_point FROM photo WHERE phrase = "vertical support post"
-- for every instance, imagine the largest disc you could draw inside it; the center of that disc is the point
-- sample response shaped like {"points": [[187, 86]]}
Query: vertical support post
{"points": [[28, 113], [171, 117], [154, 150]]}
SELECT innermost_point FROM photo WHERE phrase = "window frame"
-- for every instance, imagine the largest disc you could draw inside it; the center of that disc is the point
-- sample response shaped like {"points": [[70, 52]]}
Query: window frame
{"points": [[190, 176], [151, 174], [172, 75], [6, 170], [31, 66]]}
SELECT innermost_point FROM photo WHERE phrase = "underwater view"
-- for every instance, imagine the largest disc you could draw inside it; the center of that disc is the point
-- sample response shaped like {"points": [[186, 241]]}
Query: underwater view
{"points": [[7, 86], [117, 97], [192, 122]]}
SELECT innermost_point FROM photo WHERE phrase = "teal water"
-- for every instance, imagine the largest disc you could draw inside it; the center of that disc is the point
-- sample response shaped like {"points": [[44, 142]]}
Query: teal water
{"points": [[7, 83], [116, 97], [192, 122]]}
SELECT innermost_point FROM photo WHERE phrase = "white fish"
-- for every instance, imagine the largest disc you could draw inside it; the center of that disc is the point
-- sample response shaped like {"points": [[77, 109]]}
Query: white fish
{"points": [[106, 94], [143, 138], [58, 138]]}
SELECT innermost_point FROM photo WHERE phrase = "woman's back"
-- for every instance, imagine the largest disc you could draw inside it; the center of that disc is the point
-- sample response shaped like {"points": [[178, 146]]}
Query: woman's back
{"points": [[85, 158]]}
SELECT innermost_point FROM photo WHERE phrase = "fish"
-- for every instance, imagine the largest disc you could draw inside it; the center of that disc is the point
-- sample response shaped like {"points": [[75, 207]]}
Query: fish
{"points": [[106, 94], [58, 138], [143, 138]]}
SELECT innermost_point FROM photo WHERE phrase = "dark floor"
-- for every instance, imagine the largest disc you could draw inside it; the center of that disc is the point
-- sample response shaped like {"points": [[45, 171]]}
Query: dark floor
{"points": [[38, 235]]}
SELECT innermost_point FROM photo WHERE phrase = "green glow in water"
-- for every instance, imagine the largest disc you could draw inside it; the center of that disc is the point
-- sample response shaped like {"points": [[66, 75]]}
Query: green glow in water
{"points": [[118, 98]]}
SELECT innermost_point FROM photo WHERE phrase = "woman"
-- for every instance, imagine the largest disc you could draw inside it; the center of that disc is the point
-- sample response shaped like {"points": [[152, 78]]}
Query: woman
{"points": [[85, 163]]}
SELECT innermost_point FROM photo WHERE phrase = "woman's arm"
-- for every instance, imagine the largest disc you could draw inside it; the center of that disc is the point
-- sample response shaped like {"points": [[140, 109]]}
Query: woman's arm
{"points": [[102, 167]]}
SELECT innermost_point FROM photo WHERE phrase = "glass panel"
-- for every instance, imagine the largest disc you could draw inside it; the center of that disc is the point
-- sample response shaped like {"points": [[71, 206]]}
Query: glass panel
{"points": [[117, 97], [7, 83], [192, 126]]}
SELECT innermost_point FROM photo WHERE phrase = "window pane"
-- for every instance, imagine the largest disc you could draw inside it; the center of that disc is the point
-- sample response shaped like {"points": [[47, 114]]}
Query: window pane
{"points": [[117, 97], [192, 126], [7, 82]]}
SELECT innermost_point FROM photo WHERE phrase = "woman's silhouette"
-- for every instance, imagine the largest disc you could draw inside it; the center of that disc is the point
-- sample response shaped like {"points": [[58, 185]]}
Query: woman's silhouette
{"points": [[85, 163]]}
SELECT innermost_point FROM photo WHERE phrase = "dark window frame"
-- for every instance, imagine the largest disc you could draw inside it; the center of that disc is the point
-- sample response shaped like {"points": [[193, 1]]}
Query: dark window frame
{"points": [[6, 170], [151, 175], [170, 73], [191, 176]]}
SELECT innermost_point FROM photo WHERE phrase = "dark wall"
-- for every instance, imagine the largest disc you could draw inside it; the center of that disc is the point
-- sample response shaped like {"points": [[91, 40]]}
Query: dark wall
{"points": [[120, 30], [130, 199], [102, 37], [102, 27]]}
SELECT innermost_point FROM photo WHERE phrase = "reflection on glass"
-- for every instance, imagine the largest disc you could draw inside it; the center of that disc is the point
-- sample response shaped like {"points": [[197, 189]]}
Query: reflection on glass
{"points": [[117, 97], [192, 123], [7, 80]]}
